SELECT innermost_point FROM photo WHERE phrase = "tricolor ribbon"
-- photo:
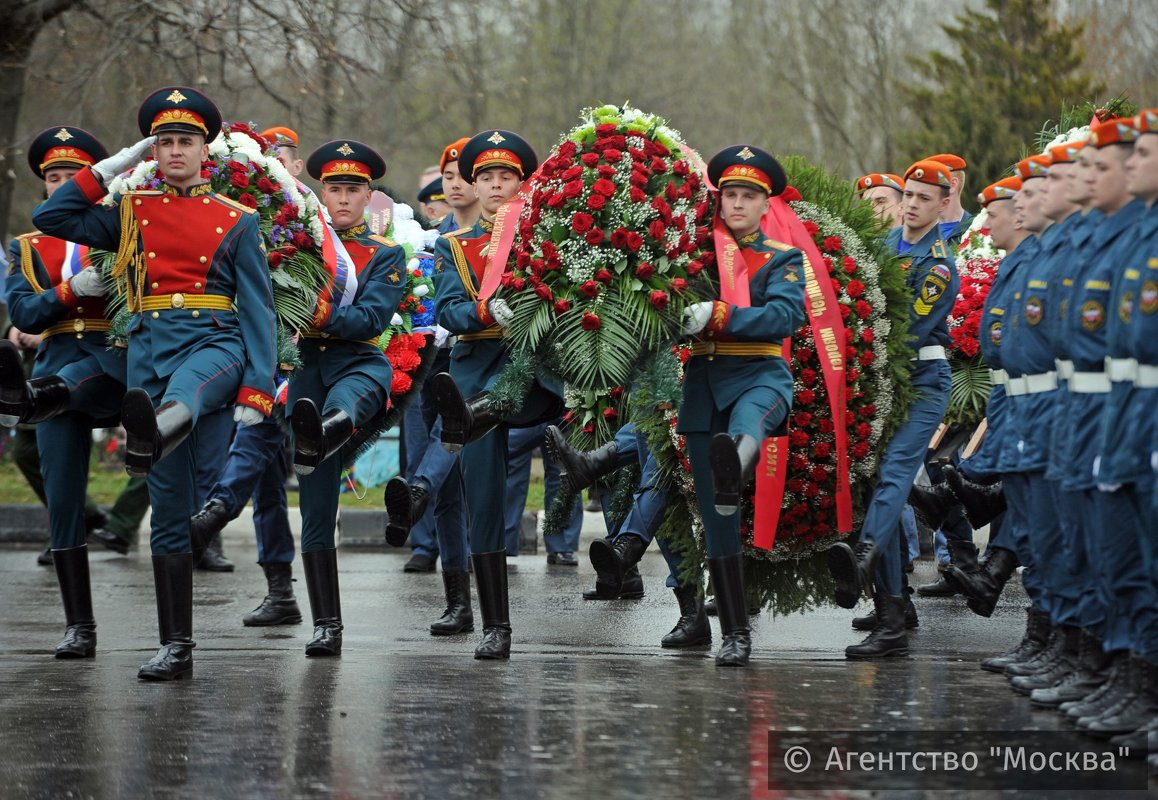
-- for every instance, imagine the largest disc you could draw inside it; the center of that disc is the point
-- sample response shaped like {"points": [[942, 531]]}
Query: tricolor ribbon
{"points": [[343, 274], [73, 263]]}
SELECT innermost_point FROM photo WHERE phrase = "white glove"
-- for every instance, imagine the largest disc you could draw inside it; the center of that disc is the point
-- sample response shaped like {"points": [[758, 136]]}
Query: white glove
{"points": [[87, 283], [501, 312], [247, 416], [441, 334], [696, 318], [120, 162]]}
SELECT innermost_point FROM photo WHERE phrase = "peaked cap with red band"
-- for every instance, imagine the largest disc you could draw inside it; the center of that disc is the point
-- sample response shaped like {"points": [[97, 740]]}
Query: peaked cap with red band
{"points": [[750, 165], [64, 146], [502, 149], [345, 161], [179, 109]]}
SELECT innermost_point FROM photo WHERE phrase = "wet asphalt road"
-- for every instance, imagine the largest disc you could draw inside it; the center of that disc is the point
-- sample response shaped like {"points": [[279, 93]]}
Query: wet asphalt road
{"points": [[588, 706]]}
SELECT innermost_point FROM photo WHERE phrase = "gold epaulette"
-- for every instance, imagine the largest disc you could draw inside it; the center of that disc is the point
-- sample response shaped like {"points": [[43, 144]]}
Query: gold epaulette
{"points": [[382, 240], [143, 193], [229, 201], [459, 232], [775, 245], [28, 235]]}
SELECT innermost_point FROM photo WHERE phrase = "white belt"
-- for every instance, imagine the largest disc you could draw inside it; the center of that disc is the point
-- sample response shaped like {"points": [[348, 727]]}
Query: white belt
{"points": [[932, 352], [1147, 377], [999, 377], [1089, 383], [1032, 384], [1064, 368], [1122, 370]]}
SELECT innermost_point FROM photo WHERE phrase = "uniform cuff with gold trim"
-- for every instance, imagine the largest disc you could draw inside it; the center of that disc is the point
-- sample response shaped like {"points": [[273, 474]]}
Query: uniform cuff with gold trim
{"points": [[321, 313], [484, 313], [255, 399], [67, 297], [90, 185], [721, 313]]}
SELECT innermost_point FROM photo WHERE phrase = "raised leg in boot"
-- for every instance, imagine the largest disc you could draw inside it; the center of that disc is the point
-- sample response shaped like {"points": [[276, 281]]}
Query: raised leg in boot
{"points": [[579, 469], [151, 435], [317, 437], [463, 420]]}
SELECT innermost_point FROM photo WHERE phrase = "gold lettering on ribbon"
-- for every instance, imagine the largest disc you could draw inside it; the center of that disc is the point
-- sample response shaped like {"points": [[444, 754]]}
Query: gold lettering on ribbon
{"points": [[728, 263], [816, 304], [770, 457], [832, 349]]}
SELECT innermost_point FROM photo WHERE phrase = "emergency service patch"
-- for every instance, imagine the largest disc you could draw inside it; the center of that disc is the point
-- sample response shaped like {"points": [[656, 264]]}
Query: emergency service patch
{"points": [[1093, 315]]}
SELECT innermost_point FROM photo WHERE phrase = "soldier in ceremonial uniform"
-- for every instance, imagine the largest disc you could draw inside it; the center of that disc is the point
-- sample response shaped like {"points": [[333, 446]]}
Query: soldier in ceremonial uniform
{"points": [[737, 386], [344, 382], [192, 268], [77, 379], [433, 201], [885, 191], [469, 264], [932, 278]]}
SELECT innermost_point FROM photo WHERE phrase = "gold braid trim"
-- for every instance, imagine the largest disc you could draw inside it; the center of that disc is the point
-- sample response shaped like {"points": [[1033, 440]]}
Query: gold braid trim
{"points": [[129, 255], [465, 273], [26, 267]]}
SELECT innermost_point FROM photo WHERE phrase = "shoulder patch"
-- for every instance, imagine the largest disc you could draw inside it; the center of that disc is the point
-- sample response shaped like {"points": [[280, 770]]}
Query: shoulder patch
{"points": [[939, 249], [229, 201], [382, 240], [28, 235], [775, 245], [941, 271], [459, 232], [143, 193]]}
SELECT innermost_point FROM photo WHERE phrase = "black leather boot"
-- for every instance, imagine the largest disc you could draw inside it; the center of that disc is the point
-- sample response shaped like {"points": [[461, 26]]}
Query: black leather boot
{"points": [[693, 629], [173, 577], [279, 607], [982, 587], [1043, 660], [933, 503], [853, 569], [1093, 664], [1135, 712], [733, 463], [206, 525], [728, 580], [72, 574], [463, 421], [1037, 627], [490, 570], [321, 568], [612, 560], [405, 505], [605, 589], [982, 503], [888, 638], [214, 559], [579, 469], [43, 399], [317, 438], [1064, 665], [869, 620], [459, 616], [963, 556], [1109, 694], [149, 435], [12, 384]]}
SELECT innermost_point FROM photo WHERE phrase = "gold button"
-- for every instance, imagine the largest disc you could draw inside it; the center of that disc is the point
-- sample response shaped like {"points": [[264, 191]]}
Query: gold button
{"points": [[152, 254], [178, 300], [144, 222], [137, 202], [197, 285], [203, 259], [80, 336], [79, 310], [156, 314], [233, 213], [220, 230], [36, 241], [205, 201], [164, 199], [78, 325], [196, 313], [155, 285], [322, 348]]}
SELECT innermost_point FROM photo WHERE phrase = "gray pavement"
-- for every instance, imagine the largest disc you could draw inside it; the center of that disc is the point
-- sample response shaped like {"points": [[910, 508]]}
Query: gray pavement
{"points": [[589, 705]]}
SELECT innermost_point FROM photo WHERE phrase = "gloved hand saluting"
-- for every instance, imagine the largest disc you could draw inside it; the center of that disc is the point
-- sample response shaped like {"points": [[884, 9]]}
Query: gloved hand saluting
{"points": [[501, 312], [247, 416], [87, 283], [126, 159], [696, 318]]}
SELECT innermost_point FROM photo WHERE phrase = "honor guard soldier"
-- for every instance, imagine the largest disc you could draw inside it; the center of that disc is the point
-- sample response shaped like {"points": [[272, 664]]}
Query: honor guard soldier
{"points": [[468, 267], [77, 381], [344, 382], [931, 277], [433, 202], [737, 386], [191, 264]]}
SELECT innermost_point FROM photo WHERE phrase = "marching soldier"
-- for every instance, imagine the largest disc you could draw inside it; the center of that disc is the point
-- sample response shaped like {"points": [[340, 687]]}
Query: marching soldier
{"points": [[344, 382], [192, 267], [737, 386], [77, 379]]}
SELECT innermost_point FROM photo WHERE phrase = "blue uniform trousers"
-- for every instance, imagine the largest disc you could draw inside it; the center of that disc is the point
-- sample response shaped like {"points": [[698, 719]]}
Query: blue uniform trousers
{"points": [[1140, 498], [522, 444], [649, 507], [1052, 564], [416, 440], [899, 466], [1019, 522], [757, 413], [1117, 526], [256, 469], [1087, 612]]}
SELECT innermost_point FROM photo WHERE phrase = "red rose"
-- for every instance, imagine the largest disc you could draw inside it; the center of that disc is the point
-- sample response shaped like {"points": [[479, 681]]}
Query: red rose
{"points": [[568, 149], [859, 450], [606, 171], [556, 200], [595, 236], [589, 288], [670, 192], [582, 222], [571, 173], [603, 187], [832, 243], [239, 179], [694, 268], [656, 230], [854, 288], [606, 129], [590, 322], [633, 241], [572, 190], [610, 414], [590, 159], [544, 291], [679, 285], [659, 299], [613, 156], [644, 271], [603, 276], [248, 200], [519, 284], [805, 397], [596, 202], [619, 238], [657, 165], [562, 306], [274, 258], [589, 427], [637, 195], [265, 185], [235, 166]]}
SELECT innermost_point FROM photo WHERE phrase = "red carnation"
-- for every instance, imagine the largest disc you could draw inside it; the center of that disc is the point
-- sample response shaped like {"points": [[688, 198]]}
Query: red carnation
{"points": [[562, 306], [854, 288], [808, 377], [274, 259], [289, 251], [859, 450], [603, 276], [633, 241], [804, 354], [589, 288], [832, 244], [596, 202], [239, 179], [825, 425], [206, 174], [590, 322], [863, 309], [656, 230], [659, 299], [849, 264], [582, 222], [806, 397], [811, 227], [595, 236], [590, 159], [644, 271], [400, 382], [798, 439], [802, 419], [867, 411], [822, 450], [303, 240], [867, 336]]}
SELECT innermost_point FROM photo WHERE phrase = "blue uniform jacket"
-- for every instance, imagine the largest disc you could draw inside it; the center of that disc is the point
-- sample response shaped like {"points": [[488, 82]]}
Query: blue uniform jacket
{"points": [[932, 278]]}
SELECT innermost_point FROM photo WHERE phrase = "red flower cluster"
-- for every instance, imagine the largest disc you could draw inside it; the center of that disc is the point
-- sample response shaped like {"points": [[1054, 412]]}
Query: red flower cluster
{"points": [[404, 352], [965, 319]]}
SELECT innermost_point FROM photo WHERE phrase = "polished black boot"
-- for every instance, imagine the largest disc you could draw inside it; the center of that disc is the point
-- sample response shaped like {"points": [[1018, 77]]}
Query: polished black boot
{"points": [[317, 438], [463, 421], [982, 503], [459, 616], [1059, 669], [731, 605], [206, 525], [853, 569], [279, 607], [888, 638], [1037, 627], [1134, 713], [72, 574], [1093, 664], [869, 620], [693, 629], [173, 577], [43, 399], [321, 568], [579, 469], [151, 435], [1108, 695], [733, 463], [613, 559], [214, 559], [405, 505], [982, 587], [12, 384], [963, 556], [606, 589], [933, 503], [490, 571]]}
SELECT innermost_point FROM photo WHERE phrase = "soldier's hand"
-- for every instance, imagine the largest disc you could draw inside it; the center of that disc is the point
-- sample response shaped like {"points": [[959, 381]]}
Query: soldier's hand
{"points": [[87, 283], [501, 312], [441, 334], [124, 160], [247, 416], [696, 317]]}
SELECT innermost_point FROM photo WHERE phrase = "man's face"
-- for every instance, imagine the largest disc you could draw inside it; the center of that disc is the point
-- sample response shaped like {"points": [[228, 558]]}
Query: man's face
{"points": [[1055, 202], [346, 203], [495, 186], [1077, 182], [1142, 168], [436, 209], [886, 204], [1028, 205], [1107, 178], [55, 177], [922, 205], [179, 155], [742, 207], [288, 156], [1002, 220], [428, 174], [458, 195]]}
